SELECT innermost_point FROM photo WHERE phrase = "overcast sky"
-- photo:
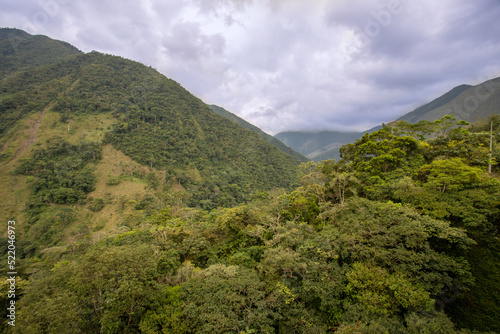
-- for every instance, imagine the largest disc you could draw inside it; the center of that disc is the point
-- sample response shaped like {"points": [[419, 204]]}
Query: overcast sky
{"points": [[288, 64]]}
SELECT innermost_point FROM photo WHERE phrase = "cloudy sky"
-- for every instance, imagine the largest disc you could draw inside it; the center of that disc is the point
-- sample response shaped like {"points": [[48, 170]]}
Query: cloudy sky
{"points": [[288, 64]]}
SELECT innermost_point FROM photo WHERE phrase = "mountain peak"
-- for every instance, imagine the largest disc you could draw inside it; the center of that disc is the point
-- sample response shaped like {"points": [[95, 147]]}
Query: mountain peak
{"points": [[22, 51], [417, 114]]}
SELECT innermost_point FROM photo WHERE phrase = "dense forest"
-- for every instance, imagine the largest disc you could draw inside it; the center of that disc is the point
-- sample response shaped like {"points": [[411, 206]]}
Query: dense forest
{"points": [[139, 209], [399, 236]]}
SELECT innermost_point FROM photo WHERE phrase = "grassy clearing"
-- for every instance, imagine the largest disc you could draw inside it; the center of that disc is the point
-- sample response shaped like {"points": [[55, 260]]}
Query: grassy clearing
{"points": [[30, 134], [120, 198], [121, 182]]}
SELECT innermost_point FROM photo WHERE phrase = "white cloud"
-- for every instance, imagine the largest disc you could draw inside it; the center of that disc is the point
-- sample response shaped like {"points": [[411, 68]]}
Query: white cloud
{"points": [[288, 65]]}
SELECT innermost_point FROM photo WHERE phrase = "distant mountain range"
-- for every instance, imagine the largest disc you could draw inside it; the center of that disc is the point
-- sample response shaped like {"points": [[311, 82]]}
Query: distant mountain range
{"points": [[465, 102], [318, 146]]}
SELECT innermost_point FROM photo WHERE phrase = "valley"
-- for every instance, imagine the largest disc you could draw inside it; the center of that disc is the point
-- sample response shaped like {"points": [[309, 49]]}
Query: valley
{"points": [[141, 209]]}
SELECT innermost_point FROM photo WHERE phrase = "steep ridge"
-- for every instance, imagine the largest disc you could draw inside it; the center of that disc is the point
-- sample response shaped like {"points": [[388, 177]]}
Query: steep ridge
{"points": [[20, 50], [468, 103], [272, 140], [417, 114]]}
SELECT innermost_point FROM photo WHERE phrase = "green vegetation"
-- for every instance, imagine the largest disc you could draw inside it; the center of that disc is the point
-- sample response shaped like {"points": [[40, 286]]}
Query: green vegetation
{"points": [[157, 123], [163, 217], [22, 51], [59, 174], [273, 141], [397, 237], [219, 162]]}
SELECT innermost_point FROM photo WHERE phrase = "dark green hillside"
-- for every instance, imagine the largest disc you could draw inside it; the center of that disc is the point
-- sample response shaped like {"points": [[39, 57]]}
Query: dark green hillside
{"points": [[417, 114], [465, 102], [20, 50], [158, 124], [273, 141]]}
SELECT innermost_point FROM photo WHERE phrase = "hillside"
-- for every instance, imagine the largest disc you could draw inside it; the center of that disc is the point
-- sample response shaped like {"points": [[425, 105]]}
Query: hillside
{"points": [[418, 114], [272, 140], [468, 103], [20, 50], [397, 237], [97, 99]]}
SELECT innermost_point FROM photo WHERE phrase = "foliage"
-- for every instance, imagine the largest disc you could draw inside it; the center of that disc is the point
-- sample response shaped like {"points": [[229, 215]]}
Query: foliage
{"points": [[382, 293], [106, 290], [399, 239], [225, 299], [449, 174], [20, 50], [62, 174], [96, 205], [399, 236], [157, 123]]}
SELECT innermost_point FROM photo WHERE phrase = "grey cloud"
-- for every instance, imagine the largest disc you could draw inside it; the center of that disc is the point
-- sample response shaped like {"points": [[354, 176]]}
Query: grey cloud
{"points": [[187, 41], [476, 21], [217, 6], [291, 65], [418, 50], [348, 13], [264, 112]]}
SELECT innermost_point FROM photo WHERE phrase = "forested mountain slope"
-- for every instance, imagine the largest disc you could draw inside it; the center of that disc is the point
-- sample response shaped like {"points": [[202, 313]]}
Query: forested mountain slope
{"points": [[157, 123], [465, 102], [246, 125], [417, 114], [20, 50]]}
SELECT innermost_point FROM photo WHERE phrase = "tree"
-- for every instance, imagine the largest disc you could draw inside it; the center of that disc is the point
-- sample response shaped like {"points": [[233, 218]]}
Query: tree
{"points": [[427, 251], [449, 174], [106, 290], [226, 299], [380, 292]]}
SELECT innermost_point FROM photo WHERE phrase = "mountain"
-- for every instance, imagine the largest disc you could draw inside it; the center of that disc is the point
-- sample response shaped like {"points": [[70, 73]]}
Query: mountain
{"points": [[272, 140], [60, 121], [416, 115], [20, 50], [465, 102], [129, 206], [318, 145]]}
